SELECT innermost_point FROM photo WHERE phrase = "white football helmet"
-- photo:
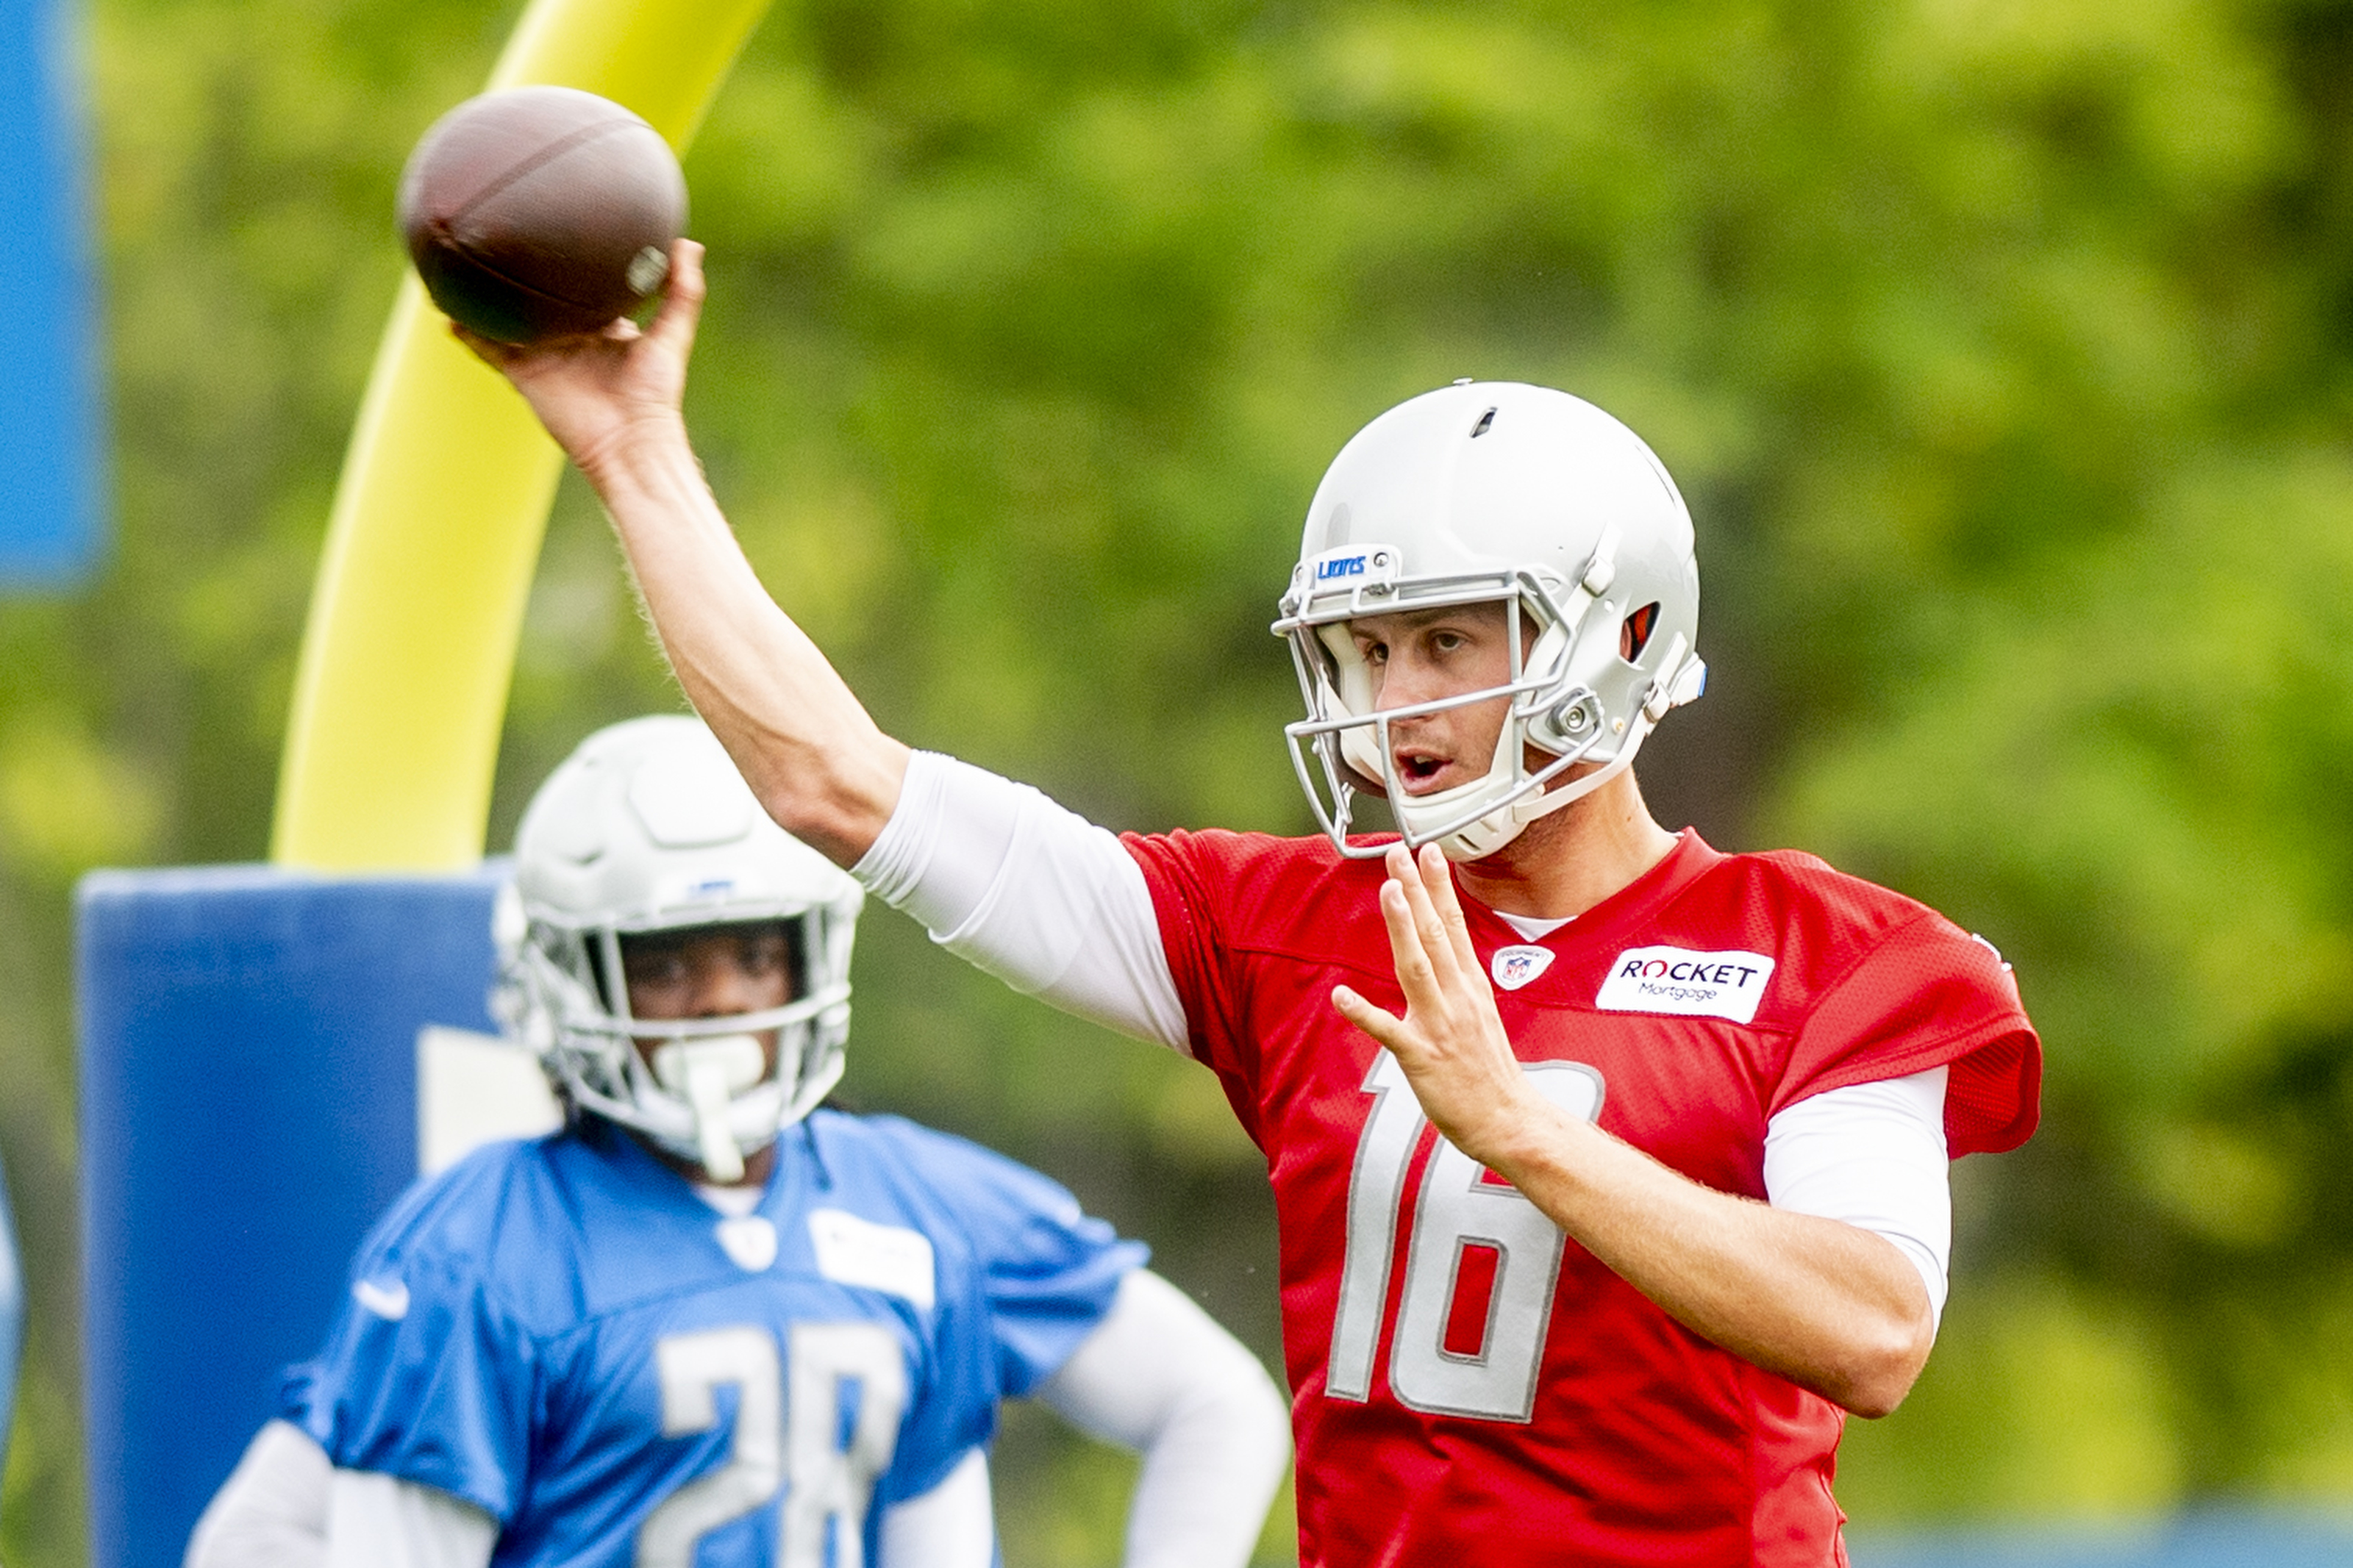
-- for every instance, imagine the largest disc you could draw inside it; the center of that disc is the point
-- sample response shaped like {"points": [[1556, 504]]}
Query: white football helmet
{"points": [[1493, 491], [646, 827]]}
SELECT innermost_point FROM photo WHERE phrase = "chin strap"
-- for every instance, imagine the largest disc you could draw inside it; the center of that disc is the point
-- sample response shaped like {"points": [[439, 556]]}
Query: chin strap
{"points": [[708, 1074], [1497, 829], [1687, 679]]}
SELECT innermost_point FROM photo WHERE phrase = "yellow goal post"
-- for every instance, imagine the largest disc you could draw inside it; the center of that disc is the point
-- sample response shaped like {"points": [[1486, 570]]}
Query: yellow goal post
{"points": [[401, 688]]}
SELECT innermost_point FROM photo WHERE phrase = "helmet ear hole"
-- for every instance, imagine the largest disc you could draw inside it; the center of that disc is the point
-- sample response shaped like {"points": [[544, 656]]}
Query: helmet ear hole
{"points": [[1634, 632]]}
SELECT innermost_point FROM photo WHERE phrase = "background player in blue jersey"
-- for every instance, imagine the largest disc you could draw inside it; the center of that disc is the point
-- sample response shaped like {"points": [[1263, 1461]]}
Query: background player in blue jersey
{"points": [[711, 1325]]}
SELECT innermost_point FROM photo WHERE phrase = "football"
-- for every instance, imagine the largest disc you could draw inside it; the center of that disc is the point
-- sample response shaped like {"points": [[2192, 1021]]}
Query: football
{"points": [[541, 211]]}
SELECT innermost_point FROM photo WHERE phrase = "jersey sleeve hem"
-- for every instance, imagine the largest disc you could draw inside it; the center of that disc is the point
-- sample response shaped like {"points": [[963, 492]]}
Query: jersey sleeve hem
{"points": [[1983, 1059], [1927, 994], [1051, 1345]]}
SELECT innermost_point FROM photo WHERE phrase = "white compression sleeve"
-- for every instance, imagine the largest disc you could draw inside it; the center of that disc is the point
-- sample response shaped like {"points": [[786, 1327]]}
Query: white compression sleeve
{"points": [[1159, 1375], [271, 1513], [950, 1526], [383, 1521], [1873, 1155], [1033, 893]]}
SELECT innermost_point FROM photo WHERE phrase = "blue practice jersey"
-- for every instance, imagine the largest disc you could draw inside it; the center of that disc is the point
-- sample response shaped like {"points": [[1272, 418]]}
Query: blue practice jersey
{"points": [[562, 1333]]}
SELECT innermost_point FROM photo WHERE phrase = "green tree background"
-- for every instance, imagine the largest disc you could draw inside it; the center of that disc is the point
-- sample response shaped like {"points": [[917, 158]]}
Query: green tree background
{"points": [[2001, 348]]}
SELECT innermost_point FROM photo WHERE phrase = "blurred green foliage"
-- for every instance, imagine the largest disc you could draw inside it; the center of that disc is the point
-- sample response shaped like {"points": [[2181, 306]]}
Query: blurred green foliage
{"points": [[2002, 349]]}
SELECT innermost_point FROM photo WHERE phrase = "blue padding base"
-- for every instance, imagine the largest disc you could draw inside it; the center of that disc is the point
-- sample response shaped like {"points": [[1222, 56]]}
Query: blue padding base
{"points": [[248, 1108]]}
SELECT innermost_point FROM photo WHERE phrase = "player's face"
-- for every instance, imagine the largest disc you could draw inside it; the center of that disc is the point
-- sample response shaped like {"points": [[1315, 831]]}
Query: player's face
{"points": [[708, 973], [1422, 655]]}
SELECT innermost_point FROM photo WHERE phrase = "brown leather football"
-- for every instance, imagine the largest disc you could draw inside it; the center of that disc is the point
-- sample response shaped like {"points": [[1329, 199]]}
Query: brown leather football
{"points": [[540, 211]]}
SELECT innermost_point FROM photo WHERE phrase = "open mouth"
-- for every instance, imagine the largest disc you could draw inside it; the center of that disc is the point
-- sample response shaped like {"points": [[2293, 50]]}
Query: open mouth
{"points": [[1419, 770]]}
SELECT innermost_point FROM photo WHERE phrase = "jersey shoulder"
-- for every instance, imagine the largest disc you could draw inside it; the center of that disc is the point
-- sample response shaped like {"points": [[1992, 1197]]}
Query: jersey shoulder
{"points": [[549, 1231], [1818, 925], [1868, 984], [1041, 1271], [463, 1215], [965, 1197], [1257, 892]]}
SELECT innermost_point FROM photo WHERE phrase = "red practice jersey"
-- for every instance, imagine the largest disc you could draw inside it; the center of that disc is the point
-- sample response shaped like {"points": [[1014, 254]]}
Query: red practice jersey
{"points": [[1470, 1386]]}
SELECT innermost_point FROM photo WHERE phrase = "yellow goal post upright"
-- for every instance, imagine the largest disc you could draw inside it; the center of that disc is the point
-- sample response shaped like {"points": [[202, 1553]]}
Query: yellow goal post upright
{"points": [[401, 688]]}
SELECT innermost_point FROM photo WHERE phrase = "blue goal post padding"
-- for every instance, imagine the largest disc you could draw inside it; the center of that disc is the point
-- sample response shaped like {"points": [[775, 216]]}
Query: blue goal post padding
{"points": [[51, 455], [249, 1043]]}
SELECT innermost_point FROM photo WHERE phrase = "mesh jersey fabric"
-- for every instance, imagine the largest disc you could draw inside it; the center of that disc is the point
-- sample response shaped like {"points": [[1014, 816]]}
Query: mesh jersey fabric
{"points": [[1625, 1439], [563, 1333]]}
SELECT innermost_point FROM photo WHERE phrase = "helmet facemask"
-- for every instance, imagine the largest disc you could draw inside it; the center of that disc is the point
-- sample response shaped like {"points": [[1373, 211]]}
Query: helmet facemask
{"points": [[704, 1090], [648, 831], [1572, 699]]}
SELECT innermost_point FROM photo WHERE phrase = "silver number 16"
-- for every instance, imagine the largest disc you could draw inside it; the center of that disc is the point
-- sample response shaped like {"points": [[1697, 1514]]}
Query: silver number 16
{"points": [[1457, 1210]]}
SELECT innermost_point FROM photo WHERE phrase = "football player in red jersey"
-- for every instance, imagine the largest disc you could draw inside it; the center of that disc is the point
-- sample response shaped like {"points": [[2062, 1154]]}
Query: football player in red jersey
{"points": [[1610, 1170]]}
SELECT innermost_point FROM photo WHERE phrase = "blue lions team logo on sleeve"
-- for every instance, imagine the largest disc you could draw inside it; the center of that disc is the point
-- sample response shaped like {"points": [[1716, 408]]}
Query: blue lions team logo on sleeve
{"points": [[1677, 980]]}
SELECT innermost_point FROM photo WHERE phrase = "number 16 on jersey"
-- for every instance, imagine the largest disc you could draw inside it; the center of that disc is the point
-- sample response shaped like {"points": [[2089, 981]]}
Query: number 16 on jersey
{"points": [[1459, 1218]]}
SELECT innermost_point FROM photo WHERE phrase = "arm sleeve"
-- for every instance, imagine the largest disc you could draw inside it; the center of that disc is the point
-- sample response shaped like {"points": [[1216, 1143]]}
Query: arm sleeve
{"points": [[271, 1513], [382, 1522], [1929, 995], [1871, 1155], [424, 1378], [950, 1526], [1032, 893], [1160, 1376]]}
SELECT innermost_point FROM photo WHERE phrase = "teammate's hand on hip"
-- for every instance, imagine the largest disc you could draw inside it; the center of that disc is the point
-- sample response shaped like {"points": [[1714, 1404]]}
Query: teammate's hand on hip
{"points": [[1450, 1042], [596, 391]]}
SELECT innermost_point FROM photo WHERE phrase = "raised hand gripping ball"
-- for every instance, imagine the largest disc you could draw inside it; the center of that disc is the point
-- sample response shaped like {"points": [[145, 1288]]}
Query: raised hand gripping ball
{"points": [[541, 211]]}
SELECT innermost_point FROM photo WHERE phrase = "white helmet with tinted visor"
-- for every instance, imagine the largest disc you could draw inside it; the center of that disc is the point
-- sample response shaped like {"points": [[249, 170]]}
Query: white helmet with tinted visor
{"points": [[647, 828], [1514, 495]]}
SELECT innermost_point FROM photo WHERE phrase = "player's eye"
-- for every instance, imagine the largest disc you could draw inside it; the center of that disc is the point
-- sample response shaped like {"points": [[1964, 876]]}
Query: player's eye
{"points": [[655, 968]]}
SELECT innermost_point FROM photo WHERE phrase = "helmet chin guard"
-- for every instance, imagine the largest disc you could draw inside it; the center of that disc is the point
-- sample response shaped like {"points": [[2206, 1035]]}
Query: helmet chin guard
{"points": [[648, 828], [1492, 493]]}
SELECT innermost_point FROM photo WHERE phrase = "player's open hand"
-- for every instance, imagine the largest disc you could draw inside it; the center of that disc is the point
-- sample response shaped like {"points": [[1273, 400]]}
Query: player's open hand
{"points": [[593, 391], [1450, 1042]]}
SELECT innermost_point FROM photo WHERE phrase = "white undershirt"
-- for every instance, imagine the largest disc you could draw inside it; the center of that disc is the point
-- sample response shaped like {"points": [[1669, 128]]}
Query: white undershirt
{"points": [[1158, 1374], [1057, 908]]}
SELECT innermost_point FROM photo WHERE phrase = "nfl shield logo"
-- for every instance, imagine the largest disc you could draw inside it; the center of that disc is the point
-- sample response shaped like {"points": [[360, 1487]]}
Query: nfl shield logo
{"points": [[1513, 967]]}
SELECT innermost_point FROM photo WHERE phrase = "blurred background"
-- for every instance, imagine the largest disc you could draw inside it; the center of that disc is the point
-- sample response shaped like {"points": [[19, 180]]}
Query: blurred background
{"points": [[2004, 350]]}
